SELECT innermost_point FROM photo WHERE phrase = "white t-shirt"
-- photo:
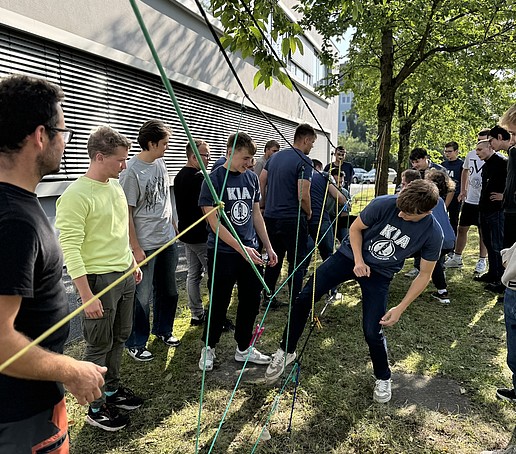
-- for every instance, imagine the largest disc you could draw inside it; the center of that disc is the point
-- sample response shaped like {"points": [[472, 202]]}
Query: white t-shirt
{"points": [[474, 165]]}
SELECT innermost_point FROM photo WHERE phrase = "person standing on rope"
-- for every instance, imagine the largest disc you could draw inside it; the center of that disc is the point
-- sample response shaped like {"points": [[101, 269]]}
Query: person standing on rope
{"points": [[390, 229], [285, 185], [147, 189], [93, 220], [241, 198], [33, 137]]}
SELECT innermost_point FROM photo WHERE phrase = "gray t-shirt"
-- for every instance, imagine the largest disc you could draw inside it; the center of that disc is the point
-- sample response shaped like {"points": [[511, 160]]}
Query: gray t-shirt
{"points": [[147, 188], [260, 164]]}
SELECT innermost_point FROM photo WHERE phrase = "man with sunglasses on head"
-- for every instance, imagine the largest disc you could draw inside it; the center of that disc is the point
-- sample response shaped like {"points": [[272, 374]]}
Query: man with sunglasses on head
{"points": [[33, 137]]}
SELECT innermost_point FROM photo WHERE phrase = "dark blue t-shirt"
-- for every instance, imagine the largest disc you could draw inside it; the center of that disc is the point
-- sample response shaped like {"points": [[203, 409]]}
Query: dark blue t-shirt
{"points": [[241, 192], [284, 169], [219, 162], [454, 169], [317, 191], [348, 170], [440, 214], [389, 239]]}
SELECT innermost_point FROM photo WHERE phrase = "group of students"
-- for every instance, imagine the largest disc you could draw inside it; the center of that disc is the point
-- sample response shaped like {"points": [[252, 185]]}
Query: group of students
{"points": [[107, 226]]}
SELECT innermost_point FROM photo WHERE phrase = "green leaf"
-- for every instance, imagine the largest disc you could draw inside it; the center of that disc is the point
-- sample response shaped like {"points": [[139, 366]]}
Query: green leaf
{"points": [[258, 79], [285, 47], [254, 30], [226, 41], [292, 41], [300, 45], [285, 80]]}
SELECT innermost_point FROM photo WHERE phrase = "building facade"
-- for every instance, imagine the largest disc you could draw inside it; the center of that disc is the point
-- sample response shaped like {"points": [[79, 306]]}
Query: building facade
{"points": [[345, 102]]}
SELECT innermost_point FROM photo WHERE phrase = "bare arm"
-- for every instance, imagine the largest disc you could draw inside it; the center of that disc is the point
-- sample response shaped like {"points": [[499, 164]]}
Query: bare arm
{"points": [[337, 195], [82, 379], [415, 289], [303, 193], [449, 198], [138, 252], [355, 240], [463, 185], [259, 226], [95, 309]]}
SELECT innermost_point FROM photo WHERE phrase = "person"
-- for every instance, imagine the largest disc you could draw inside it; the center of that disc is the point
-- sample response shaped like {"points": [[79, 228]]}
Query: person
{"points": [[271, 147], [421, 161], [33, 137], [508, 120], [509, 281], [93, 220], [341, 211], [469, 196], [494, 174], [390, 229], [453, 165], [341, 164], [147, 189], [241, 204], [285, 187], [187, 187]]}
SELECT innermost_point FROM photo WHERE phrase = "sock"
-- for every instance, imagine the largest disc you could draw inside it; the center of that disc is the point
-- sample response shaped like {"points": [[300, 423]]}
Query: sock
{"points": [[482, 258], [442, 292], [94, 410], [110, 393]]}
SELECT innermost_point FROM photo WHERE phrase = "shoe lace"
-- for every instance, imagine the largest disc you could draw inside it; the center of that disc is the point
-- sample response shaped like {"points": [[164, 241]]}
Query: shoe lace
{"points": [[382, 385], [277, 359]]}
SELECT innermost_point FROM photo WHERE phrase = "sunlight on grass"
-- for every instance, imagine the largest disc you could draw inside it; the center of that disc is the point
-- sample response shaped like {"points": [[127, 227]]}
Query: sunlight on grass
{"points": [[478, 316]]}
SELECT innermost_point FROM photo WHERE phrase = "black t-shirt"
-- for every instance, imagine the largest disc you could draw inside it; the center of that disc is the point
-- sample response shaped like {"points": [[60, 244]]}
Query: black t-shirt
{"points": [[345, 167], [494, 174], [187, 187], [31, 266]]}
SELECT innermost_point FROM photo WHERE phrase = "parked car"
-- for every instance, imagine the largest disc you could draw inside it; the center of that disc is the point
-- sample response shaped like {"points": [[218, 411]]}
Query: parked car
{"points": [[359, 173], [370, 177]]}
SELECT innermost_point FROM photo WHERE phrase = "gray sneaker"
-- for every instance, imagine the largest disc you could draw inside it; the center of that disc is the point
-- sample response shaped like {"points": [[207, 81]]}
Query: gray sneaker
{"points": [[382, 391], [481, 266], [209, 353], [412, 273], [278, 364], [454, 262], [254, 357]]}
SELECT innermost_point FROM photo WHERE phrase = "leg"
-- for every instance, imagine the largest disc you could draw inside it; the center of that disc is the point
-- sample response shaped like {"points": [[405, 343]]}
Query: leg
{"points": [[165, 291], [453, 213], [335, 270], [375, 292], [296, 252], [510, 327], [272, 273], [438, 277], [196, 261]]}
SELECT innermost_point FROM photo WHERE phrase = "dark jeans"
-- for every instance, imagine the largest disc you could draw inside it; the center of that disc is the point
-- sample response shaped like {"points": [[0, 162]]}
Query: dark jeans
{"points": [[453, 213], [438, 277], [375, 289], [158, 285], [509, 309], [509, 229], [282, 234], [492, 225], [230, 269]]}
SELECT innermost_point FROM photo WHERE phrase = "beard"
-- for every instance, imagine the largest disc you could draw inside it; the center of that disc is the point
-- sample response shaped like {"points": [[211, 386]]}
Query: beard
{"points": [[49, 163]]}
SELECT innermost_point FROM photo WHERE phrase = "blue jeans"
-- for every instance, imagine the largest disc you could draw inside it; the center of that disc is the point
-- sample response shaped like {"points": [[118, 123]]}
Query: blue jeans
{"points": [[491, 225], [375, 290], [509, 309], [196, 261], [158, 284]]}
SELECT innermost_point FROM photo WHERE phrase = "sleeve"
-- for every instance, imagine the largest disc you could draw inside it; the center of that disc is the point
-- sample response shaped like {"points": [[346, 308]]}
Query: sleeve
{"points": [[18, 252], [431, 250], [71, 213], [205, 197], [129, 182], [374, 211], [256, 186], [465, 164], [305, 169]]}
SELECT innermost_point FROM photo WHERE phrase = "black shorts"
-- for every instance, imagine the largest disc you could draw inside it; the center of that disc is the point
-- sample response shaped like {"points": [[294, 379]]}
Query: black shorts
{"points": [[469, 215]]}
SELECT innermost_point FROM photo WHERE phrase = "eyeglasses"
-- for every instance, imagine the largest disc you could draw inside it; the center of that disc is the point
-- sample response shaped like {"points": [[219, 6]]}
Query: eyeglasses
{"points": [[67, 133], [206, 155]]}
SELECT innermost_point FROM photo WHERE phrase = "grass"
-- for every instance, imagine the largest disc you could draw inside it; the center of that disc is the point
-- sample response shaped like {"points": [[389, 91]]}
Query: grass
{"points": [[334, 412]]}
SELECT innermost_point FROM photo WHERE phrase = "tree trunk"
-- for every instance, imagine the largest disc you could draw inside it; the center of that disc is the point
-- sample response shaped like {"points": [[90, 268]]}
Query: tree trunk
{"points": [[385, 110]]}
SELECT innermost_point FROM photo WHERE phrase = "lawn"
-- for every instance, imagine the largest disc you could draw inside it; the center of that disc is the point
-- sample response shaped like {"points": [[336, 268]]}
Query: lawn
{"points": [[462, 344]]}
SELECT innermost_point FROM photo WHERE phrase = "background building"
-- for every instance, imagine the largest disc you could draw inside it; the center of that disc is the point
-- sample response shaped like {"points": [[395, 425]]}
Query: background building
{"points": [[345, 101], [96, 51]]}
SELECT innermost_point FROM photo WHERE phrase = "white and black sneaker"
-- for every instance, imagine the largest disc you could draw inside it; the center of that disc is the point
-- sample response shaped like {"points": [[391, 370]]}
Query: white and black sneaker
{"points": [[507, 394], [107, 418], [169, 340], [442, 297], [140, 354]]}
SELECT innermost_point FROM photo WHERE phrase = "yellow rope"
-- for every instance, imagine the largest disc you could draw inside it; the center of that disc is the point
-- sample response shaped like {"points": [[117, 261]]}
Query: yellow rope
{"points": [[77, 311]]}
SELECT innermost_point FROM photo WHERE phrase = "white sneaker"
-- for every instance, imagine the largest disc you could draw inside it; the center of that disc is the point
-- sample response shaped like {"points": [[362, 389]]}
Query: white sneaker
{"points": [[412, 273], [140, 354], [333, 297], [382, 391], [454, 262], [481, 266], [210, 357], [278, 364], [254, 357]]}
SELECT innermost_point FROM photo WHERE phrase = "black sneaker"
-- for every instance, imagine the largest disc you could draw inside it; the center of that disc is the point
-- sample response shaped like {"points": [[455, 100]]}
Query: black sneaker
{"points": [[198, 321], [107, 418], [506, 394], [228, 326], [486, 277], [496, 287], [169, 340], [125, 399]]}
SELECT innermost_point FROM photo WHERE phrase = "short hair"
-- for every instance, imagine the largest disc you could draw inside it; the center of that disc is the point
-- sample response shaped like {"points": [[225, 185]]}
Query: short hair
{"points": [[484, 132], [189, 148], [509, 117], [442, 180], [317, 164], [411, 175], [303, 130], [499, 130], [335, 171], [270, 144], [341, 148], [243, 140], [419, 197], [453, 145], [26, 103], [104, 139], [152, 131], [418, 153]]}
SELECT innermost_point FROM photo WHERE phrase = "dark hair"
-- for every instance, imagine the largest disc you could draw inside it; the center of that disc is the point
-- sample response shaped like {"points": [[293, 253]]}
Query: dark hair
{"points": [[418, 153], [152, 131], [499, 130], [243, 140], [442, 180], [335, 171], [453, 145], [484, 132], [105, 140], [317, 164], [418, 197], [26, 103], [340, 148], [270, 144], [411, 175], [189, 149], [303, 130]]}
